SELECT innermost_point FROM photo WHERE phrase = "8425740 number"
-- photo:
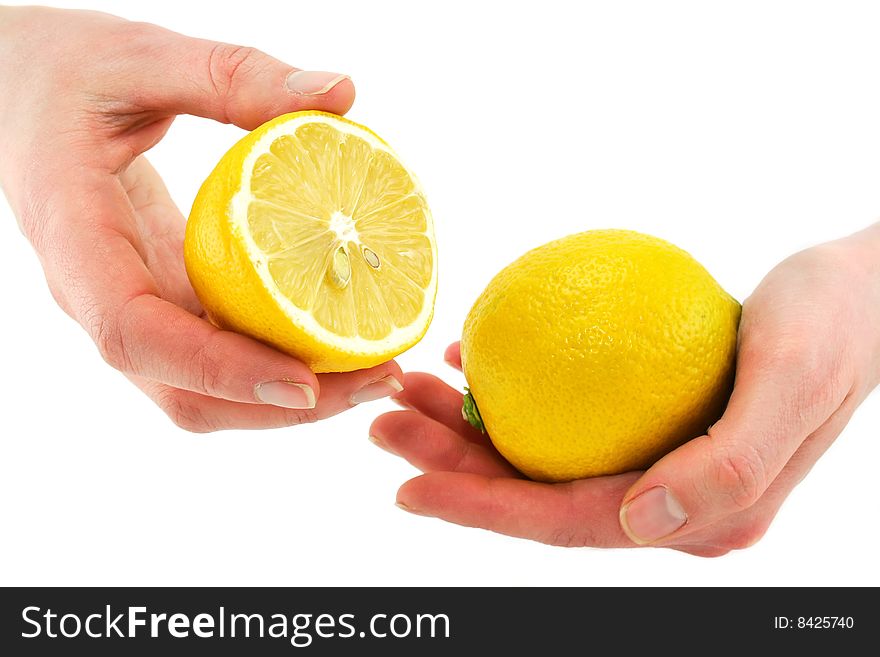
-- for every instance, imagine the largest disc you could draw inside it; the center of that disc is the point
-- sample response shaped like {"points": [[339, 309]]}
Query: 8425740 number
{"points": [[825, 622]]}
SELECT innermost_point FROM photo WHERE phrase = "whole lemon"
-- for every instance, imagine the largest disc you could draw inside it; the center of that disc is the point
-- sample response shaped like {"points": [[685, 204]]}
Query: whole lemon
{"points": [[597, 354]]}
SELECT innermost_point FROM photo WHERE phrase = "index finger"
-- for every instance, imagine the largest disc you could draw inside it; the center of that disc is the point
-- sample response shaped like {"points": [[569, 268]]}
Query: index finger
{"points": [[453, 355]]}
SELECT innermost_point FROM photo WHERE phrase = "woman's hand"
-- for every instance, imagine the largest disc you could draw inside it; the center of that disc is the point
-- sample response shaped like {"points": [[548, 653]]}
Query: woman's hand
{"points": [[82, 96], [809, 354]]}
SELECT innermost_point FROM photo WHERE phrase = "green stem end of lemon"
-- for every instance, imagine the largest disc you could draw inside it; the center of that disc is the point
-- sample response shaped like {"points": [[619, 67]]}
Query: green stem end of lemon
{"points": [[471, 413]]}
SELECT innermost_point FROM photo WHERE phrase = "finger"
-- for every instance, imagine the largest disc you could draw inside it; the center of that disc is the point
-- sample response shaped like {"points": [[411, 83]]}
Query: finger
{"points": [[431, 446], [160, 230], [200, 414], [150, 337], [453, 355], [432, 397], [228, 83], [580, 513], [345, 389], [782, 395]]}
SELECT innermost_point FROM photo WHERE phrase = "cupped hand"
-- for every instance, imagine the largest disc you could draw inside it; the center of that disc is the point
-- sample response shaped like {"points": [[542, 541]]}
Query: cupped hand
{"points": [[82, 96], [809, 354]]}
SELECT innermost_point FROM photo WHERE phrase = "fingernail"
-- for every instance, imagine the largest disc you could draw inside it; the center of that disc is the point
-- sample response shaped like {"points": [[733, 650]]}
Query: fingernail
{"points": [[313, 83], [408, 509], [286, 394], [652, 515], [376, 390], [378, 443]]}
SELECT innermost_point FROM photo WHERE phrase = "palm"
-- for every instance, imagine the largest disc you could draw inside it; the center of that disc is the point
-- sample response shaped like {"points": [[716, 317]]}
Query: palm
{"points": [[159, 233]]}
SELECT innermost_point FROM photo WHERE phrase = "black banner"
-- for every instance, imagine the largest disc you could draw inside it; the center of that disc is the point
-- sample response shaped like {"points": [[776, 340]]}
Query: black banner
{"points": [[340, 621]]}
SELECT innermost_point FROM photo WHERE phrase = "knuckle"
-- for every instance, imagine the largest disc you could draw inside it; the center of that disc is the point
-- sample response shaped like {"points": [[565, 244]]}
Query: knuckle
{"points": [[109, 331], [740, 475], [185, 414], [227, 63], [570, 537], [562, 537], [745, 536], [459, 456], [207, 370], [108, 338], [302, 416], [572, 529]]}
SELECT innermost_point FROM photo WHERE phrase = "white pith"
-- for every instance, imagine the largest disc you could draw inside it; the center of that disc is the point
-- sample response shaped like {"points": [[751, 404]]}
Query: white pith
{"points": [[344, 227]]}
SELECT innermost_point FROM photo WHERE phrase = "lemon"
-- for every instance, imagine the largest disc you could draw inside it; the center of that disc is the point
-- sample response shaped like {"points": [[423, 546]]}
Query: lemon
{"points": [[598, 353], [311, 236]]}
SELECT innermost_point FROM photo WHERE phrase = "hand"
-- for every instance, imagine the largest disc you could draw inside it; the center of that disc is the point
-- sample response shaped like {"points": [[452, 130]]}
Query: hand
{"points": [[82, 96], [809, 354]]}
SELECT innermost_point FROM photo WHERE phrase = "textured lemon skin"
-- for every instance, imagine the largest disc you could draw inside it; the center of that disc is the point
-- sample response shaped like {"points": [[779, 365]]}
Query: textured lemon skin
{"points": [[227, 284], [599, 353]]}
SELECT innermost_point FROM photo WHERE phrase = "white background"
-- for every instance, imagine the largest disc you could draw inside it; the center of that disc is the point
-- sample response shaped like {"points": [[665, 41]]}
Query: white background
{"points": [[740, 131]]}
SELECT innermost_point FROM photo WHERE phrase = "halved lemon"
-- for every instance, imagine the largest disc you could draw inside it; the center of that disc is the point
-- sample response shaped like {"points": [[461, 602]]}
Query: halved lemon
{"points": [[311, 236]]}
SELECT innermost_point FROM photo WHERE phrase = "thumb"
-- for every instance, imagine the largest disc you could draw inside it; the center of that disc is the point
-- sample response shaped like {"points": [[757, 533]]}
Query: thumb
{"points": [[228, 83], [777, 401]]}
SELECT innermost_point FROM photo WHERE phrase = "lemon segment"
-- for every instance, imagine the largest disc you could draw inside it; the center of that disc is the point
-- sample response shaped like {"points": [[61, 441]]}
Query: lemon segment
{"points": [[312, 236]]}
